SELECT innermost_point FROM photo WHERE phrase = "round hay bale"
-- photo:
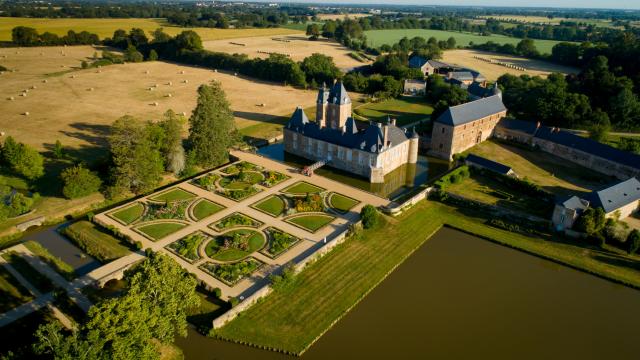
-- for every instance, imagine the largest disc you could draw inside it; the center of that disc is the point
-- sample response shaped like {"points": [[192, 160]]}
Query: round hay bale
{"points": [[62, 66], [182, 72], [11, 98], [169, 95], [155, 85], [170, 83], [184, 113], [26, 113], [2, 133], [1, 72], [155, 104], [150, 88], [235, 74], [146, 72], [33, 87], [25, 90], [23, 94], [90, 89], [44, 81], [99, 71], [215, 70], [73, 76], [185, 81]]}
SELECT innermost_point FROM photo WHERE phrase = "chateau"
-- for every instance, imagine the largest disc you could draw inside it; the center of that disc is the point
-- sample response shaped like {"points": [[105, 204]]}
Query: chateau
{"points": [[334, 138]]}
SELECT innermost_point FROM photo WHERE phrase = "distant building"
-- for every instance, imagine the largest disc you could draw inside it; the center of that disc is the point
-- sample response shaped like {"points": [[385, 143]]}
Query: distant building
{"points": [[478, 91], [415, 87], [430, 67], [619, 200], [464, 126], [334, 138], [479, 162], [462, 77]]}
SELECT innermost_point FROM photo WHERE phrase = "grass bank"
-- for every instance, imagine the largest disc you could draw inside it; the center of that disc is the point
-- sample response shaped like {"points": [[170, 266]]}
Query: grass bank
{"points": [[292, 318]]}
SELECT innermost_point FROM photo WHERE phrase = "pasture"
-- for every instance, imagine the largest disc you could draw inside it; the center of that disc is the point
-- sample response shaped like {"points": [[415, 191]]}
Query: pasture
{"points": [[467, 58], [390, 37], [105, 27], [548, 21], [297, 46], [77, 106]]}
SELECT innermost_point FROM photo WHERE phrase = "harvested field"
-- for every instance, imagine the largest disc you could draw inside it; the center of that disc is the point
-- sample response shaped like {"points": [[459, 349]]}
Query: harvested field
{"points": [[64, 108], [341, 16], [467, 58], [105, 27], [297, 46]]}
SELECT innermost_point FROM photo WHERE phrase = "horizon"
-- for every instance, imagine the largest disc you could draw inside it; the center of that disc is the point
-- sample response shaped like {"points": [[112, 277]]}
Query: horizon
{"points": [[515, 4]]}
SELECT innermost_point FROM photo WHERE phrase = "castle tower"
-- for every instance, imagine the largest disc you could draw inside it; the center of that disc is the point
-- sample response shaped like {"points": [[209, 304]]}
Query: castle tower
{"points": [[338, 107], [321, 106], [414, 146]]}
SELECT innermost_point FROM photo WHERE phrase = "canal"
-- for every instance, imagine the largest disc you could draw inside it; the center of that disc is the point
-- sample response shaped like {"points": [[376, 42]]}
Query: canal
{"points": [[461, 297]]}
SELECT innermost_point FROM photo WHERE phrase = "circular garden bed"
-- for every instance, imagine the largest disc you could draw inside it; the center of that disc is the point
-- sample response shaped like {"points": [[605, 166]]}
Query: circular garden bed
{"points": [[235, 245]]}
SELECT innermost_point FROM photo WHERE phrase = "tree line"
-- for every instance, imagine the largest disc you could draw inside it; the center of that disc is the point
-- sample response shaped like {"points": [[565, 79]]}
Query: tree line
{"points": [[26, 36]]}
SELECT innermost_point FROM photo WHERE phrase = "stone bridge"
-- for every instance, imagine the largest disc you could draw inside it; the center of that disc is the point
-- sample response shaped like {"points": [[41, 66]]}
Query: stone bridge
{"points": [[33, 222]]}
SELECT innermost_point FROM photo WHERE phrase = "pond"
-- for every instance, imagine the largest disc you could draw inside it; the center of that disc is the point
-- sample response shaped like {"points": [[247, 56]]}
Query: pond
{"points": [[461, 297], [398, 182]]}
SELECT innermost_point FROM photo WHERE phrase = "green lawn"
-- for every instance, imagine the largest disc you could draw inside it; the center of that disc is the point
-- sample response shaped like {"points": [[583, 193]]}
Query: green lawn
{"points": [[291, 318], [255, 241], [160, 230], [303, 187], [235, 220], [390, 37], [12, 293], [272, 205], [95, 241], [173, 195], [187, 247], [129, 214], [405, 110], [205, 208], [342, 203], [33, 276], [55, 262], [311, 222]]}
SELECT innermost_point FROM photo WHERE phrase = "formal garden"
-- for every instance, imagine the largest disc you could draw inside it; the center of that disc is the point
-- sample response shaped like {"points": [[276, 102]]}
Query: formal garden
{"points": [[231, 274], [158, 230], [235, 220], [204, 208], [278, 242], [240, 180], [235, 245], [188, 247]]}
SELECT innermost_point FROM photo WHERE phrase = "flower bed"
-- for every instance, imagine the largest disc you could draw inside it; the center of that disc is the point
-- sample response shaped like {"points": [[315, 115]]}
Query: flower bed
{"points": [[238, 195], [187, 247], [176, 210], [279, 242], [236, 220], [235, 245], [309, 203], [207, 182], [231, 274], [272, 178]]}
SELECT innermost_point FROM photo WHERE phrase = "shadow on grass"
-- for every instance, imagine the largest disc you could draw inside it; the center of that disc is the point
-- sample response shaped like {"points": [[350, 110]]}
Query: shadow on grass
{"points": [[617, 260]]}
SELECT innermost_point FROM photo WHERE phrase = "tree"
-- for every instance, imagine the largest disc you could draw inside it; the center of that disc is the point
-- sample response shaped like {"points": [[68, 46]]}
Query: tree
{"points": [[153, 309], [526, 47], [329, 29], [188, 40], [153, 55], [133, 55], [172, 150], [211, 126], [591, 222], [369, 215], [78, 182], [58, 150], [599, 125], [22, 159], [313, 31], [451, 43], [24, 36], [320, 68], [633, 241], [137, 162], [137, 37]]}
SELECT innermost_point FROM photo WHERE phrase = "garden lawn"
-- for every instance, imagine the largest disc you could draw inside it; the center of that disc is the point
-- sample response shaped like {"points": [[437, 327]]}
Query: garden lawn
{"points": [[33, 276], [129, 214], [292, 317], [303, 188], [205, 208], [311, 222], [96, 242], [172, 195], [255, 241], [160, 230], [273, 205], [12, 293], [342, 203], [187, 247], [55, 262], [405, 110], [390, 37]]}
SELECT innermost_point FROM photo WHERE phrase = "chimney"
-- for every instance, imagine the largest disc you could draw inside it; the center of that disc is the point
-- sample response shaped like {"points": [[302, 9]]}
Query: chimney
{"points": [[538, 124], [386, 135], [393, 122]]}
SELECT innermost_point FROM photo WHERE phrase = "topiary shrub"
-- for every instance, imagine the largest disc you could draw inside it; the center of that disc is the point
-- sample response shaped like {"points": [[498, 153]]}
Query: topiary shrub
{"points": [[234, 302], [138, 245], [369, 215], [217, 292]]}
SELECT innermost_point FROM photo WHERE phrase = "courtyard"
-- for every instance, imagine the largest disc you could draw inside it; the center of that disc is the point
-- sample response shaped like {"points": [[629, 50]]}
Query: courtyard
{"points": [[234, 226]]}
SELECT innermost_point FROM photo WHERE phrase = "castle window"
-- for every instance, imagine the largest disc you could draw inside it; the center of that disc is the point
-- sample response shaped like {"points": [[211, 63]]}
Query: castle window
{"points": [[443, 129], [441, 146]]}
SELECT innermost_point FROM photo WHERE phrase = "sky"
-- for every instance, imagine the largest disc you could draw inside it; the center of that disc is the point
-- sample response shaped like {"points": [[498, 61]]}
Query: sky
{"points": [[608, 4]]}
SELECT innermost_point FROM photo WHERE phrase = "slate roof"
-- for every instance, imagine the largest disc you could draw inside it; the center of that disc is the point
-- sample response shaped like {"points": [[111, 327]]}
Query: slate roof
{"points": [[488, 164], [461, 75], [616, 196], [575, 203], [371, 139], [589, 146], [417, 61], [439, 64], [528, 127], [473, 110], [338, 94], [480, 91]]}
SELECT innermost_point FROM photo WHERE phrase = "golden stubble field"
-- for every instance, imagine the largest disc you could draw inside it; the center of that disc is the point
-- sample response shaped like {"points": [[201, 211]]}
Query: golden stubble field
{"points": [[77, 106], [491, 71], [296, 46]]}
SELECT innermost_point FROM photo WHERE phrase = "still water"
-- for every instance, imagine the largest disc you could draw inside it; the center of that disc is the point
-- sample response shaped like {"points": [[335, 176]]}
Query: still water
{"points": [[398, 182], [461, 297]]}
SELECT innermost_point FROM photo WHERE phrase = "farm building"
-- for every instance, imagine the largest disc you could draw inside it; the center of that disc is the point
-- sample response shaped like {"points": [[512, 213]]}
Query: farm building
{"points": [[619, 200], [334, 138], [479, 162], [478, 91], [429, 67], [463, 126], [415, 87]]}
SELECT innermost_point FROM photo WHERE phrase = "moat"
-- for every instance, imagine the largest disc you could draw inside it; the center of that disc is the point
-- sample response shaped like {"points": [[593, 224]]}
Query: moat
{"points": [[399, 182], [459, 296]]}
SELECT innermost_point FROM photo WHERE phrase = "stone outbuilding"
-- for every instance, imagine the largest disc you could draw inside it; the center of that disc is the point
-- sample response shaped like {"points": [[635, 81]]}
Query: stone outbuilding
{"points": [[480, 162]]}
